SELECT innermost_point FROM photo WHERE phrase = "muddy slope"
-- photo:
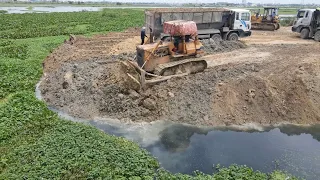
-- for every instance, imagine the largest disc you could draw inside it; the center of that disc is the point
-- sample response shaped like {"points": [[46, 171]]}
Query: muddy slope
{"points": [[282, 85]]}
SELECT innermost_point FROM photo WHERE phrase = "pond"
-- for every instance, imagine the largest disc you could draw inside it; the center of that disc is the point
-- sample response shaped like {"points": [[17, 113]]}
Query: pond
{"points": [[41, 9], [183, 148]]}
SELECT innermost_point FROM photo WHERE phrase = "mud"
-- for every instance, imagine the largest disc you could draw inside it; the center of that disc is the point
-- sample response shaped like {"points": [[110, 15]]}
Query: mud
{"points": [[265, 84]]}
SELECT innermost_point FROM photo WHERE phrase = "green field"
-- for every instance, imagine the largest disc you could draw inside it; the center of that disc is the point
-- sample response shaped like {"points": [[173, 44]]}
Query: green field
{"points": [[35, 143]]}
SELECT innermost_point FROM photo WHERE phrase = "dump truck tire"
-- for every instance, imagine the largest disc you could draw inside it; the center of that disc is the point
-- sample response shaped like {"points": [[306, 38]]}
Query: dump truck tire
{"points": [[216, 38], [317, 36], [233, 37], [304, 33]]}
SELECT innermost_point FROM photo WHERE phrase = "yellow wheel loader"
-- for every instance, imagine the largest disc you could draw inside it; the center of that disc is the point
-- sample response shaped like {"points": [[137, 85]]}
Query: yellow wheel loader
{"points": [[269, 20]]}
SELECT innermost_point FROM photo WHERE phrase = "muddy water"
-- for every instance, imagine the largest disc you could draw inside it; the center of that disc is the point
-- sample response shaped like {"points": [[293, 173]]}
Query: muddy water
{"points": [[184, 149]]}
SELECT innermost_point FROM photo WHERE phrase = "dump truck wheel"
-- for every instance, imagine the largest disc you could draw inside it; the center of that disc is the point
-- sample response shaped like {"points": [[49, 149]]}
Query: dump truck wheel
{"points": [[317, 36], [304, 33], [216, 38], [233, 37]]}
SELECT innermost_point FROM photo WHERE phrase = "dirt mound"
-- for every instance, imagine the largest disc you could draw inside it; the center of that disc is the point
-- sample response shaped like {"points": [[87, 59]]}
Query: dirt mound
{"points": [[80, 87], [97, 47], [223, 95], [261, 84], [99, 88], [212, 47], [126, 46]]}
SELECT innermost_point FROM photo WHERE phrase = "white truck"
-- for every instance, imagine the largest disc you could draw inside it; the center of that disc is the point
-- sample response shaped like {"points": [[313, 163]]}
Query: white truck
{"points": [[308, 24], [215, 23]]}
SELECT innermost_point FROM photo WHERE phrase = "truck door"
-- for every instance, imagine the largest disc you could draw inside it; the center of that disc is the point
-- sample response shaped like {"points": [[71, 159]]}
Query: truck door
{"points": [[237, 22], [246, 21]]}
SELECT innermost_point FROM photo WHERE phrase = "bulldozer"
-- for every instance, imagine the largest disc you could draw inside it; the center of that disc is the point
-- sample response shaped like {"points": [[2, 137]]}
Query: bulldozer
{"points": [[175, 55], [269, 20]]}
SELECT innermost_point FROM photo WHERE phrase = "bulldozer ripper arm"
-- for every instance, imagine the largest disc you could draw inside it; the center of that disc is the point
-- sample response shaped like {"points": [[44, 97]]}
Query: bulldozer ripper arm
{"points": [[152, 52]]}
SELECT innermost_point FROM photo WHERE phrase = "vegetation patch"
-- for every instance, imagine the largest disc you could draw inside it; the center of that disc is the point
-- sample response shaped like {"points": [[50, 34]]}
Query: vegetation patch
{"points": [[35, 143], [3, 11], [232, 172], [287, 21], [16, 26], [5, 42], [14, 51]]}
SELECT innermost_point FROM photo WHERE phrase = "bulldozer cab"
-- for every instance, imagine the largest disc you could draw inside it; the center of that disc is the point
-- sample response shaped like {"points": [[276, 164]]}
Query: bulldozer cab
{"points": [[270, 14], [184, 45], [181, 42]]}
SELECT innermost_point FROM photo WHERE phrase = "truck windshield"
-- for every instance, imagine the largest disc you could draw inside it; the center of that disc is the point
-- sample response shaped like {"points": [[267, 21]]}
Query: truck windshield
{"points": [[245, 16], [300, 14]]}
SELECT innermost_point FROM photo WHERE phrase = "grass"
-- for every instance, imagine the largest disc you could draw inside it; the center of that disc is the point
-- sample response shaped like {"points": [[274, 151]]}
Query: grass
{"points": [[36, 144], [15, 26]]}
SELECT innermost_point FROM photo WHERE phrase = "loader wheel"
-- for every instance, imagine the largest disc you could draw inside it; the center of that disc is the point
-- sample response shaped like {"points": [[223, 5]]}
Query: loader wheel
{"points": [[216, 38], [278, 26], [317, 36], [304, 33], [233, 37]]}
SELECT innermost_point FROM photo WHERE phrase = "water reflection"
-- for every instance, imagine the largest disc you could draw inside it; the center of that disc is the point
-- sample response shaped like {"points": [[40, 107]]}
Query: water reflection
{"points": [[177, 137], [291, 148]]}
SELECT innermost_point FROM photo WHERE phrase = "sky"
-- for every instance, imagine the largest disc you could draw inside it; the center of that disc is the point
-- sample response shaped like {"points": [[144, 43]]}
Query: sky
{"points": [[230, 1]]}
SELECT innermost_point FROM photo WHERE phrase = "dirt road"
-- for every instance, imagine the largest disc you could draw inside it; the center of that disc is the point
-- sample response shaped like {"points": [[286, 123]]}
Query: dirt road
{"points": [[276, 79]]}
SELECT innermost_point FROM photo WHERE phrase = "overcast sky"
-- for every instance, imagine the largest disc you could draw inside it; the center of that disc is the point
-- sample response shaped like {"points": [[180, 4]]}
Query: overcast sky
{"points": [[230, 1]]}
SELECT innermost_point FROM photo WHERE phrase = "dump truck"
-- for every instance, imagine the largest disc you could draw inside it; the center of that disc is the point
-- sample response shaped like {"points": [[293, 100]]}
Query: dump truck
{"points": [[215, 23], [308, 24]]}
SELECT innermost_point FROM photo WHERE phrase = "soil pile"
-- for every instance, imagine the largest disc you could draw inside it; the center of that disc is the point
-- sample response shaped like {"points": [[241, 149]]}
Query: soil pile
{"points": [[100, 87], [80, 48], [212, 47]]}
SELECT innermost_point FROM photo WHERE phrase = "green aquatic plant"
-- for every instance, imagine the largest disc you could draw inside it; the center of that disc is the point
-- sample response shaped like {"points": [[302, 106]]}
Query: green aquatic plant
{"points": [[16, 26], [3, 11]]}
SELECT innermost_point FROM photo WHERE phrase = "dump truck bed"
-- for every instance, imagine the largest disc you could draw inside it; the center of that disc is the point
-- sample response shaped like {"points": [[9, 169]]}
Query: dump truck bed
{"points": [[205, 18]]}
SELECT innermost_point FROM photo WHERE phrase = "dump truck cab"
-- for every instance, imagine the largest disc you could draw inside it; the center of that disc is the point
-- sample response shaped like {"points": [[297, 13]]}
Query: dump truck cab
{"points": [[241, 22], [303, 20], [307, 23]]}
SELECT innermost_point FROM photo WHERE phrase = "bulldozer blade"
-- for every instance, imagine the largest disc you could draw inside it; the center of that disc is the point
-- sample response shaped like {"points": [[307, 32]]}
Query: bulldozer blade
{"points": [[134, 84], [140, 82]]}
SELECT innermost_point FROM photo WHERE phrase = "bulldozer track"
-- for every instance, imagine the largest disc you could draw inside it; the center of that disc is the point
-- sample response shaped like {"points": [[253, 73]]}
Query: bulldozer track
{"points": [[170, 68], [265, 26]]}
